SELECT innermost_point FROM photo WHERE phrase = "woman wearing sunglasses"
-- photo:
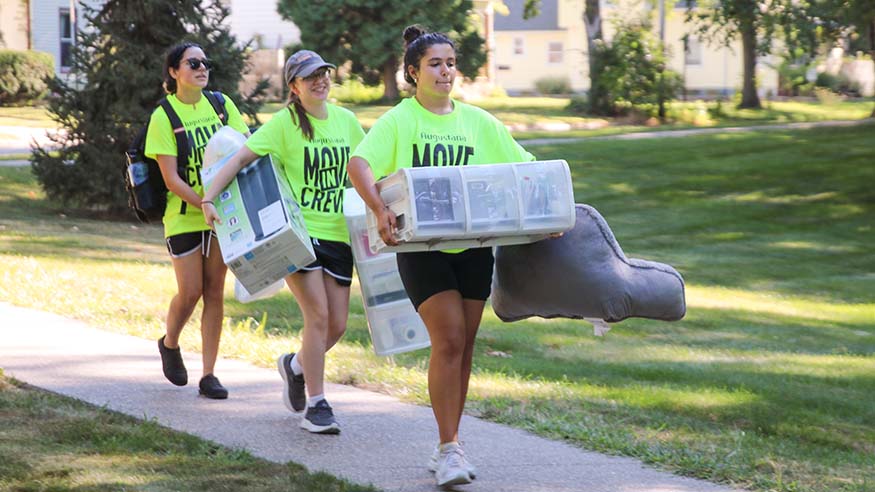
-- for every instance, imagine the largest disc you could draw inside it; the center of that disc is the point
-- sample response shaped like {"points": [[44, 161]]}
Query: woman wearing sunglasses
{"points": [[194, 252], [310, 141]]}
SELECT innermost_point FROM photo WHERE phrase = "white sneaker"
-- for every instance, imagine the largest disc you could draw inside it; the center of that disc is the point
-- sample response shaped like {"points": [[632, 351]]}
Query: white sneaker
{"points": [[451, 468], [435, 455]]}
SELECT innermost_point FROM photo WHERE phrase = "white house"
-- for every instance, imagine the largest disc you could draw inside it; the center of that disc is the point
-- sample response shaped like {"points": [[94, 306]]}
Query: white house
{"points": [[553, 44], [51, 25]]}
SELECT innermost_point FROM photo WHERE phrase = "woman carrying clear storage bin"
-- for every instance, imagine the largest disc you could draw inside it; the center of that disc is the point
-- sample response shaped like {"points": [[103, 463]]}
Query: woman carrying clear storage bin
{"points": [[310, 140], [448, 288]]}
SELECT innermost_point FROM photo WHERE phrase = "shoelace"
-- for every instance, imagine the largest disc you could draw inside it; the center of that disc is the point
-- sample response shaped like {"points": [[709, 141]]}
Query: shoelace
{"points": [[322, 410], [455, 457]]}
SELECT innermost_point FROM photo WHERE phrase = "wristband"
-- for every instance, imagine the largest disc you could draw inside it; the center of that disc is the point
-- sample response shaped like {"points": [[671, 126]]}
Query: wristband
{"points": [[207, 201]]}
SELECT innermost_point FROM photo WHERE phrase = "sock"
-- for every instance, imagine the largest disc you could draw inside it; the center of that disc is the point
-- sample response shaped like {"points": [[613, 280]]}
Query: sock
{"points": [[296, 366], [313, 400], [444, 447]]}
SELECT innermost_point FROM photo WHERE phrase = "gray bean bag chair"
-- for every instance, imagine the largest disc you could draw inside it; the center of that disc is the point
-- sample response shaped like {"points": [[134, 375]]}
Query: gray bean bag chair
{"points": [[583, 275]]}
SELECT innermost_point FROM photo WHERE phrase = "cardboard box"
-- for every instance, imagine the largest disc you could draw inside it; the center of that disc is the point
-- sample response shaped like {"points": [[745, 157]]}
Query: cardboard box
{"points": [[475, 206], [262, 234]]}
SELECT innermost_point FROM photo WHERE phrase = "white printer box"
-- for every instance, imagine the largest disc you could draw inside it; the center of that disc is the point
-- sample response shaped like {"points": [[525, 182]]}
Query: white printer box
{"points": [[262, 234]]}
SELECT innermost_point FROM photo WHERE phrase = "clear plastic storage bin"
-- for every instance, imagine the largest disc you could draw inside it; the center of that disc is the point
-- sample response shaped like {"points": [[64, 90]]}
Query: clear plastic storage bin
{"points": [[493, 198], [393, 324], [380, 281], [396, 328], [475, 206]]}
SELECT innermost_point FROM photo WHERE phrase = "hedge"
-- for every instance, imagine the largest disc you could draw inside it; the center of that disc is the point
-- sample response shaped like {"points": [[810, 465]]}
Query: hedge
{"points": [[23, 76]]}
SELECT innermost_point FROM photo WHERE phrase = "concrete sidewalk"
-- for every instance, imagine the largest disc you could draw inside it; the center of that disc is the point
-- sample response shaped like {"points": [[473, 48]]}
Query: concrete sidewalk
{"points": [[384, 442]]}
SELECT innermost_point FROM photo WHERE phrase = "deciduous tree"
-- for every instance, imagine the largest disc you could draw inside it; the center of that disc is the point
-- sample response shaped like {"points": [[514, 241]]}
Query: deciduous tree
{"points": [[368, 32]]}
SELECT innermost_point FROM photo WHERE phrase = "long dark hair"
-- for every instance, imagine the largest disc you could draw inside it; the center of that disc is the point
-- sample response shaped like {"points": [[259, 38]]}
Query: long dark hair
{"points": [[416, 41], [299, 114], [172, 60]]}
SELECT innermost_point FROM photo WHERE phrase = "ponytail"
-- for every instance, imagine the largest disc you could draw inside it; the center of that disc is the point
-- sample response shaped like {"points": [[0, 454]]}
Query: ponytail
{"points": [[299, 115]]}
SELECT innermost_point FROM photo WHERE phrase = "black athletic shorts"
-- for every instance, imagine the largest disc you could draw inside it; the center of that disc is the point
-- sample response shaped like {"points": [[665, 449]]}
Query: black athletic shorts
{"points": [[333, 257], [190, 242], [426, 273]]}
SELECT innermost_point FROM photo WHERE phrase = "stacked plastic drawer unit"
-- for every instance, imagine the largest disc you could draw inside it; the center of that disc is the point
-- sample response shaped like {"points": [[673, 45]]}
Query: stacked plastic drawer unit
{"points": [[474, 206], [394, 325]]}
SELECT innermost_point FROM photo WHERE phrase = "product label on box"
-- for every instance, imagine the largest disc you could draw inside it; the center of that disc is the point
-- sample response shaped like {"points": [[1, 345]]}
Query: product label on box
{"points": [[272, 217]]}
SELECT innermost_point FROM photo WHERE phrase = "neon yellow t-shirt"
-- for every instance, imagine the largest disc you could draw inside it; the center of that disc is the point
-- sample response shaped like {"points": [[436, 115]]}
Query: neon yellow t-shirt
{"points": [[200, 122], [315, 170], [409, 135]]}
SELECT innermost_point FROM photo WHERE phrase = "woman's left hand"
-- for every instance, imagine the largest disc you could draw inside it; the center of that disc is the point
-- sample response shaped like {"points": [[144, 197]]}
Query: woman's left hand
{"points": [[211, 215]]}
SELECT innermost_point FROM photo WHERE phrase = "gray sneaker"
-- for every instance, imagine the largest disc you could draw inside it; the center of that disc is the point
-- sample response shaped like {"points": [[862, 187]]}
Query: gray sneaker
{"points": [[319, 419], [451, 468], [294, 394], [435, 456]]}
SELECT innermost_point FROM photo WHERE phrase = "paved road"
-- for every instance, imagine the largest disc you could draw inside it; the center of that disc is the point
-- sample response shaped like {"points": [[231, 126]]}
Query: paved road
{"points": [[17, 139], [384, 442]]}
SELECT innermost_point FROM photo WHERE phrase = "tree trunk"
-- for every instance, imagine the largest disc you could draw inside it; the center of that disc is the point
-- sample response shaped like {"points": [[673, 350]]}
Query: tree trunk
{"points": [[749, 97], [872, 53], [390, 84]]}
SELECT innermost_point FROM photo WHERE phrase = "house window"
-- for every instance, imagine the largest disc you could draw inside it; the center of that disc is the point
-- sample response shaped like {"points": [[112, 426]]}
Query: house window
{"points": [[554, 52], [518, 47], [692, 51], [66, 37]]}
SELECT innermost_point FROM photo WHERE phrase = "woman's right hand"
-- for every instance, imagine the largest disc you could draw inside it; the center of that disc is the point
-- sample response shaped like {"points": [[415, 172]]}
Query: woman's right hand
{"points": [[387, 227], [211, 215]]}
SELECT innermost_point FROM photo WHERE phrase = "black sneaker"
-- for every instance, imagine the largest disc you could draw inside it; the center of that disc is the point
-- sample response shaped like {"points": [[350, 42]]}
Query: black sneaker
{"points": [[319, 419], [294, 395], [212, 388], [171, 362]]}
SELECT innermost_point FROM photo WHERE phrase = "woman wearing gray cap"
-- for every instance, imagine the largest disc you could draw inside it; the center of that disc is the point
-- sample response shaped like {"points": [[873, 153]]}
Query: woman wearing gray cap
{"points": [[310, 140]]}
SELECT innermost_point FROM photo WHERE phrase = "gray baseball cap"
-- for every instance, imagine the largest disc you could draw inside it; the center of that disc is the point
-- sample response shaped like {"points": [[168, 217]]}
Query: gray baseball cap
{"points": [[302, 64]]}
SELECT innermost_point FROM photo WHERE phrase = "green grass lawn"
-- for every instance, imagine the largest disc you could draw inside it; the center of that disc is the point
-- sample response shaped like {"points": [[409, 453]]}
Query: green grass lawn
{"points": [[29, 116], [538, 117], [53, 443], [766, 384]]}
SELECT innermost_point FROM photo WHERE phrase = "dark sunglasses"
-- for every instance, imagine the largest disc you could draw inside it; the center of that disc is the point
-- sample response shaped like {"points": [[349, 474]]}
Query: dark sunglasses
{"points": [[195, 63], [318, 74]]}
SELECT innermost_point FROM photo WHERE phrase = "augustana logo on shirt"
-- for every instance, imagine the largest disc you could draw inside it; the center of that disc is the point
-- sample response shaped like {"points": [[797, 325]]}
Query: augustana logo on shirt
{"points": [[324, 177]]}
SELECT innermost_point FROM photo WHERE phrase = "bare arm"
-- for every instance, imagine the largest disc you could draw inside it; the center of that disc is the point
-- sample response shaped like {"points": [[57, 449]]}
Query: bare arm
{"points": [[238, 161], [362, 179], [174, 182]]}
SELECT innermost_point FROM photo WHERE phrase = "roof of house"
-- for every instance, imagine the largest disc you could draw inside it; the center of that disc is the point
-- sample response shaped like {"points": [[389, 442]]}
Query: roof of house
{"points": [[546, 20]]}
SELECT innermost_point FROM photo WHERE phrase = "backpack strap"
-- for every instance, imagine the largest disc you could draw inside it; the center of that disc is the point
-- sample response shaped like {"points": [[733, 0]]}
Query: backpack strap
{"points": [[182, 149], [217, 101]]}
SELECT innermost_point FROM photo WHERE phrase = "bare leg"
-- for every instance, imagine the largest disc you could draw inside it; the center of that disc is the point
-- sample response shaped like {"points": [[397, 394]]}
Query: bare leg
{"points": [[338, 310], [189, 282], [473, 313], [444, 317], [309, 291], [213, 313]]}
